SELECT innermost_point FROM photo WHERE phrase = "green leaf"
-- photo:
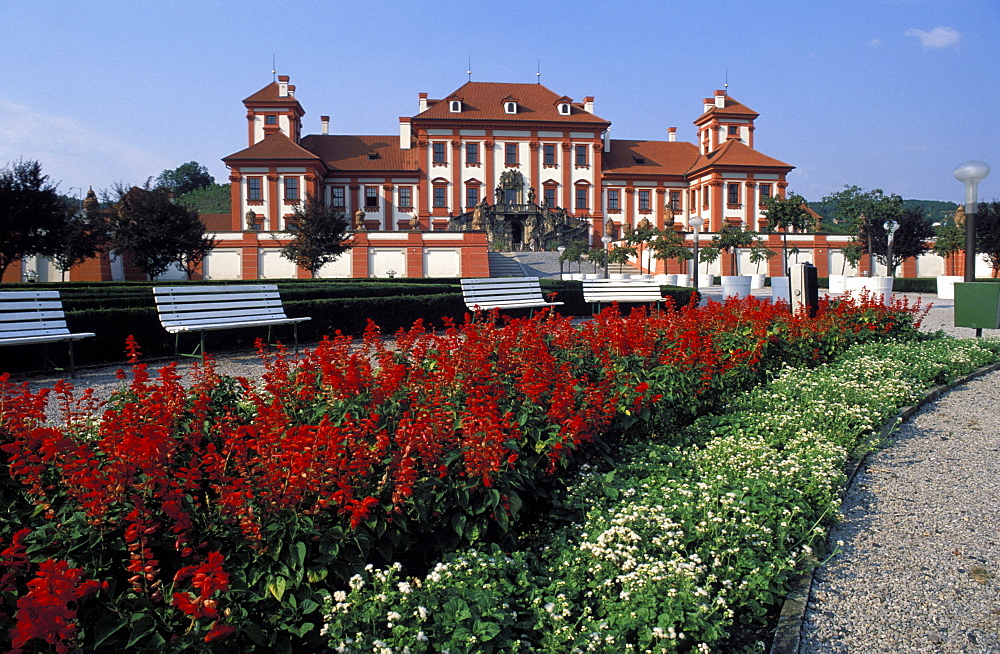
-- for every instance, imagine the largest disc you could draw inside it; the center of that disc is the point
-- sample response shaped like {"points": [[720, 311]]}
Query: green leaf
{"points": [[277, 588], [458, 523], [300, 554], [142, 627]]}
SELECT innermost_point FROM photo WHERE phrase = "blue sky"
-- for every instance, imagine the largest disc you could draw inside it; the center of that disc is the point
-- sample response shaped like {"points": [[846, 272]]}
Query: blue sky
{"points": [[889, 94]]}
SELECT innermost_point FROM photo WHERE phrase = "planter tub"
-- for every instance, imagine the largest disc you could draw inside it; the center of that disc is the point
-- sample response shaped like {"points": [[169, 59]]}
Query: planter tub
{"points": [[706, 280], [780, 290], [878, 287], [838, 283], [683, 279], [735, 285], [757, 280], [946, 286]]}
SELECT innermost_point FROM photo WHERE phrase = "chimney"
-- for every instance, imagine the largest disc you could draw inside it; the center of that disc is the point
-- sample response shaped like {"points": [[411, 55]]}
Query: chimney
{"points": [[720, 99], [291, 90], [423, 102], [282, 86], [404, 132], [588, 104], [325, 121], [671, 134], [607, 140]]}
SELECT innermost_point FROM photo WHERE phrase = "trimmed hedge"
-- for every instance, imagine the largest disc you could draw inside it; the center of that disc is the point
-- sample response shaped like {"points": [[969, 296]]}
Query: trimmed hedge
{"points": [[116, 310]]}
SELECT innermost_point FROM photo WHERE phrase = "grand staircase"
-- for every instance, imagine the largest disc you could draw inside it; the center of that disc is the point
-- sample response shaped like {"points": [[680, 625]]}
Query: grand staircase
{"points": [[504, 265]]}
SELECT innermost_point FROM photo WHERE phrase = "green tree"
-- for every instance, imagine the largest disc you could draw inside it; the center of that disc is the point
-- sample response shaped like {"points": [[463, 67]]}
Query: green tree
{"points": [[852, 252], [909, 240], [32, 214], [785, 214], [597, 256], [708, 255], [948, 239], [988, 234], [865, 212], [574, 253], [730, 238], [85, 235], [153, 231], [759, 253], [669, 244], [319, 234], [214, 198], [184, 178]]}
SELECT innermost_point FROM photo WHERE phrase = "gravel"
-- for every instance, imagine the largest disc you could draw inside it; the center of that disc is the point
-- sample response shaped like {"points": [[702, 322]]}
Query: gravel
{"points": [[918, 567], [917, 552]]}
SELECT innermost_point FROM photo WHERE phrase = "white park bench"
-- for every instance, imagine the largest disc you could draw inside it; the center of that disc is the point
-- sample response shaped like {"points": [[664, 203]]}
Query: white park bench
{"points": [[30, 317], [201, 308], [622, 291], [488, 293]]}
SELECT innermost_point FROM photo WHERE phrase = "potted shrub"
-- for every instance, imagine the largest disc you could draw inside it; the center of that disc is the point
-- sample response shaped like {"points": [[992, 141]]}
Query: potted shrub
{"points": [[706, 255], [669, 244], [759, 253], [730, 239]]}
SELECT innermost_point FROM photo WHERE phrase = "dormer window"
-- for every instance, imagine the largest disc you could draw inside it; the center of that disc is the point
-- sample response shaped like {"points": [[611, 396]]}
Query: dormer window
{"points": [[564, 108], [372, 154], [455, 106], [510, 107], [270, 119]]}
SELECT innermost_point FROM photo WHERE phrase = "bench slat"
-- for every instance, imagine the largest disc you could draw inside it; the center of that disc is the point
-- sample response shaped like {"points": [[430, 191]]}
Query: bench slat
{"points": [[7, 317], [507, 293], [230, 288]]}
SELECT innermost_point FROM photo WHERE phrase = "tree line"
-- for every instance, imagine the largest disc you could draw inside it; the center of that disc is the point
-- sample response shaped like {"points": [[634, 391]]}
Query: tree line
{"points": [[153, 226]]}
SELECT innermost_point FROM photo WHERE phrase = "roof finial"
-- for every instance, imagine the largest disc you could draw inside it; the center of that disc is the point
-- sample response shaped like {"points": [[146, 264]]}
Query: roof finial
{"points": [[538, 73], [274, 69], [469, 71], [726, 85]]}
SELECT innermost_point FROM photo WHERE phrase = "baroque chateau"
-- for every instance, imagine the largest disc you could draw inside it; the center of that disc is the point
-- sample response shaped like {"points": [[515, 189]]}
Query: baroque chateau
{"points": [[501, 165]]}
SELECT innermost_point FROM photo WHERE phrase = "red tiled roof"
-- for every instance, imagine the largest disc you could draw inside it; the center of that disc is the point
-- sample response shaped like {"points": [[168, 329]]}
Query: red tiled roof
{"points": [[730, 107], [351, 152], [270, 94], [273, 146], [484, 101], [649, 157], [736, 153]]}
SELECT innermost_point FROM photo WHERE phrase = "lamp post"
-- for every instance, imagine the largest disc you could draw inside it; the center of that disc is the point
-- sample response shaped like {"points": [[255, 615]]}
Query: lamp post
{"points": [[890, 227], [695, 222], [561, 249], [606, 240], [971, 173]]}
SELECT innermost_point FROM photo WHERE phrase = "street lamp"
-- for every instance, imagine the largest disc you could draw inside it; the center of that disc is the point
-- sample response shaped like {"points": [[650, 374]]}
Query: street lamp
{"points": [[971, 173], [561, 249], [606, 239], [695, 223], [890, 227]]}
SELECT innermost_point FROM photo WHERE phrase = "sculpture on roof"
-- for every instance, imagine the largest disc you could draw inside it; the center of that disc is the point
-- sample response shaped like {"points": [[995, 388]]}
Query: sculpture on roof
{"points": [[359, 220]]}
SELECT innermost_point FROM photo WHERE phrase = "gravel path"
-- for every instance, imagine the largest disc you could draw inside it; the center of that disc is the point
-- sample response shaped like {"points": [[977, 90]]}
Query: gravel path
{"points": [[917, 571]]}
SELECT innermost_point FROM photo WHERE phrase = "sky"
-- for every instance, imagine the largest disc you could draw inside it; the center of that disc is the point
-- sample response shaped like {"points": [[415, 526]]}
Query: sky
{"points": [[889, 94]]}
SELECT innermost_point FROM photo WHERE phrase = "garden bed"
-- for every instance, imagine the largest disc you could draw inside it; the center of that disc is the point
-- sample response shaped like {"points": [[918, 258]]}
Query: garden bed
{"points": [[225, 516]]}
